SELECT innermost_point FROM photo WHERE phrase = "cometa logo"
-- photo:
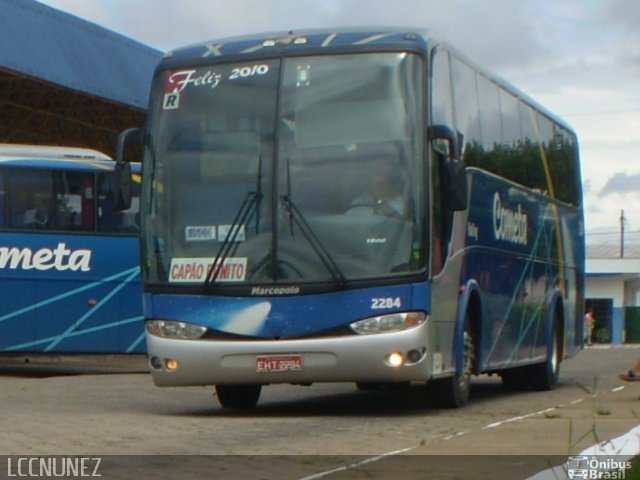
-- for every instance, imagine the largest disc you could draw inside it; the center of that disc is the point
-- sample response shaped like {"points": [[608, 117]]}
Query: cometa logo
{"points": [[509, 225], [59, 258]]}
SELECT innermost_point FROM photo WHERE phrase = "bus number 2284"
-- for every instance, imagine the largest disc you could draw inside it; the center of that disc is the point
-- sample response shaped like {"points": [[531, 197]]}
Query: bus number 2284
{"points": [[385, 302]]}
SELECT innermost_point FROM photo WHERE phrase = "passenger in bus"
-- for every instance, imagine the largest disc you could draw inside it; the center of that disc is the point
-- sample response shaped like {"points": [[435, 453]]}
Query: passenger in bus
{"points": [[36, 218], [382, 197], [36, 213]]}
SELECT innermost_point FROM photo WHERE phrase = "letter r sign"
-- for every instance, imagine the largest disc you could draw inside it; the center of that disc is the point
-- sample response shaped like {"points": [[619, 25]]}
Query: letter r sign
{"points": [[171, 101]]}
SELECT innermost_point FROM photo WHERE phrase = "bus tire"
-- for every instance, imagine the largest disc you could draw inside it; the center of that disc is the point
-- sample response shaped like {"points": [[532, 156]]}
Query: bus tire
{"points": [[544, 376], [453, 392], [238, 396]]}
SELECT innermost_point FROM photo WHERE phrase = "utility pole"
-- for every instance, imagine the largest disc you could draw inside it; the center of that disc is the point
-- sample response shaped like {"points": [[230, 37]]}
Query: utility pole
{"points": [[621, 233]]}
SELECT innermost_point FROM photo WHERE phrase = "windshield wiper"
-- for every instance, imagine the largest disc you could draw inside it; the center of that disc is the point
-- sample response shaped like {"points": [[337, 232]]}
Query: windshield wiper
{"points": [[324, 256], [247, 207], [250, 204]]}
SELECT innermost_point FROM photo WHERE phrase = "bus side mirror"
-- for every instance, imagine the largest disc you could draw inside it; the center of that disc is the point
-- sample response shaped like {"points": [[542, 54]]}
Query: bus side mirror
{"points": [[446, 143], [122, 186], [441, 134], [128, 139]]}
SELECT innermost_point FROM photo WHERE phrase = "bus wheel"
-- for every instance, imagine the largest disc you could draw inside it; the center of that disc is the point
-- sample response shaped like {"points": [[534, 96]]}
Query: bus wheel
{"points": [[238, 396], [453, 392], [544, 376]]}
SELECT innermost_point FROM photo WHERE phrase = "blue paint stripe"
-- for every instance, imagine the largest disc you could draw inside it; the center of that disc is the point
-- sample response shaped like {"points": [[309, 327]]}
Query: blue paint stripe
{"points": [[78, 333], [528, 268], [71, 293], [95, 309], [516, 348], [136, 343]]}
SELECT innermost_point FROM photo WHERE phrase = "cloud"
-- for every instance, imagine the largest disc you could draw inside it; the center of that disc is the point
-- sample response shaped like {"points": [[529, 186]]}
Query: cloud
{"points": [[499, 41], [621, 183], [626, 14], [578, 58]]}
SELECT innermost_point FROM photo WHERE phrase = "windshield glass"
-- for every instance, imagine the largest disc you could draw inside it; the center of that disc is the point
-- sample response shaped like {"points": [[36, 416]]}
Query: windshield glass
{"points": [[298, 170]]}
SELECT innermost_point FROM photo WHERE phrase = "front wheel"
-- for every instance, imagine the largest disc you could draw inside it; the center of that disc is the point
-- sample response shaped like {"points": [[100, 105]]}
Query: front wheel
{"points": [[453, 392], [238, 396]]}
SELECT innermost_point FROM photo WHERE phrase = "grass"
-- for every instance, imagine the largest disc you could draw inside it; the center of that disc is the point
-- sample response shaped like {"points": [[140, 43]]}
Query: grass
{"points": [[633, 473]]}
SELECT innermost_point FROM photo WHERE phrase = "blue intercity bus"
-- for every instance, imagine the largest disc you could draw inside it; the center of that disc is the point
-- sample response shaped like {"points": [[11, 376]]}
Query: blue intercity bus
{"points": [[69, 256], [361, 206]]}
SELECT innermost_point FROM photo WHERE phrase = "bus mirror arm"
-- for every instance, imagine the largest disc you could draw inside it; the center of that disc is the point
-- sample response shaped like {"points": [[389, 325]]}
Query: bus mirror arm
{"points": [[456, 190], [457, 185], [122, 171]]}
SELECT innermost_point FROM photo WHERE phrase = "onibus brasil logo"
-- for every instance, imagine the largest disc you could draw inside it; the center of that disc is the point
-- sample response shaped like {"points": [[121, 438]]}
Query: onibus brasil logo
{"points": [[594, 467]]}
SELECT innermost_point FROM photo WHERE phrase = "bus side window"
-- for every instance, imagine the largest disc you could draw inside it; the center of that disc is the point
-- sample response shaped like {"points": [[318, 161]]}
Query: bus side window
{"points": [[106, 203], [441, 114], [110, 220], [31, 195], [75, 204]]}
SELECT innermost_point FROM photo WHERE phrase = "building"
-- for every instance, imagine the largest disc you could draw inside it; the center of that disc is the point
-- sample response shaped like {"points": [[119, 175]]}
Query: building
{"points": [[66, 81], [613, 292]]}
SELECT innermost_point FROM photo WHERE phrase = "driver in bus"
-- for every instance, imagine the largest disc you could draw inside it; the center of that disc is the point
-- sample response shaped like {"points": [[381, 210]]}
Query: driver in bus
{"points": [[383, 195]]}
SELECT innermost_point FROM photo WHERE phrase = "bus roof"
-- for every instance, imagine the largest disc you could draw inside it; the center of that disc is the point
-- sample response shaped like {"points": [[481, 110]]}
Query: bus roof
{"points": [[293, 41], [16, 151], [56, 157], [317, 41]]}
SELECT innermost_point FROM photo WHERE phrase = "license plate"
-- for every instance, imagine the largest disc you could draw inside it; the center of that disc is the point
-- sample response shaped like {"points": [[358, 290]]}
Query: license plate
{"points": [[278, 363]]}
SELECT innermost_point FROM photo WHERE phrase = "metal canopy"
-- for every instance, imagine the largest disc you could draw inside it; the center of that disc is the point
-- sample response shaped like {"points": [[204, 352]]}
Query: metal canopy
{"points": [[65, 81]]}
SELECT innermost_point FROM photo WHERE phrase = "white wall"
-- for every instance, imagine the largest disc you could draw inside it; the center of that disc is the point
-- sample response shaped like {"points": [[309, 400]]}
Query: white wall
{"points": [[613, 265], [606, 287]]}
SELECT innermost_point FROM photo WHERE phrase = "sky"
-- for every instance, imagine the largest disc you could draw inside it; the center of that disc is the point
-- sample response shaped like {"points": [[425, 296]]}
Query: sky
{"points": [[578, 58]]}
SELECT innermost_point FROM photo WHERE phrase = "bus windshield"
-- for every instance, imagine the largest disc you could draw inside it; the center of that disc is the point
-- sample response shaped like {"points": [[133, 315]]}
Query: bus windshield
{"points": [[305, 169]]}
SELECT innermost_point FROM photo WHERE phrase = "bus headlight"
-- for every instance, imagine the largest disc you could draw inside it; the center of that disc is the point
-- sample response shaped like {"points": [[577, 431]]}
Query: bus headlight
{"points": [[393, 322], [173, 329]]}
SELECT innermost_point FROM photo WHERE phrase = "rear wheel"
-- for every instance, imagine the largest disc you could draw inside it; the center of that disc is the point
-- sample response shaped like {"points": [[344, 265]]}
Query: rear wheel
{"points": [[238, 396], [544, 376]]}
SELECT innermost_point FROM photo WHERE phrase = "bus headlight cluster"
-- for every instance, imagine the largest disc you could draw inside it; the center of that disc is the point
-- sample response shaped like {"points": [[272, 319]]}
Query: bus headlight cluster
{"points": [[173, 329], [393, 322]]}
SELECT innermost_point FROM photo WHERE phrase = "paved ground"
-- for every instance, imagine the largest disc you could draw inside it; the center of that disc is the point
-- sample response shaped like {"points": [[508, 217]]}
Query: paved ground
{"points": [[114, 416]]}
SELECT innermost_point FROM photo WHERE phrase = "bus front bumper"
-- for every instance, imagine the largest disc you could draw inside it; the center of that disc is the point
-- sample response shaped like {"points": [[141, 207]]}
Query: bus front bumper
{"points": [[385, 357]]}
